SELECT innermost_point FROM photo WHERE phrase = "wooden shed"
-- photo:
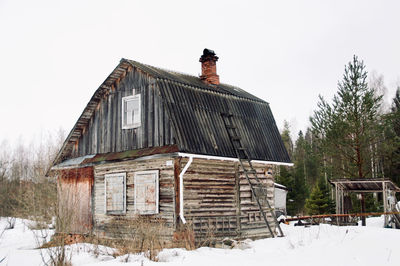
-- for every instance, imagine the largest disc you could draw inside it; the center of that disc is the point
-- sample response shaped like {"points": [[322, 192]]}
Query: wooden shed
{"points": [[175, 147]]}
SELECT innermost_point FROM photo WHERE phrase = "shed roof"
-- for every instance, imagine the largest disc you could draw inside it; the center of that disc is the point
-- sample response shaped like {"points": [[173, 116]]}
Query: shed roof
{"points": [[195, 111], [365, 184]]}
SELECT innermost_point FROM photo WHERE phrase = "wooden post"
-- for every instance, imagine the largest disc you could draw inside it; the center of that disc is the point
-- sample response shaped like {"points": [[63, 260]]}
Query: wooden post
{"points": [[385, 202], [342, 200], [337, 198]]}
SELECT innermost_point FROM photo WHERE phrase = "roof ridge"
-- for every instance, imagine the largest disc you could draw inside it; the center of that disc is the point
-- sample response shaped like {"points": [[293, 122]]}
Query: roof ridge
{"points": [[162, 69], [209, 87]]}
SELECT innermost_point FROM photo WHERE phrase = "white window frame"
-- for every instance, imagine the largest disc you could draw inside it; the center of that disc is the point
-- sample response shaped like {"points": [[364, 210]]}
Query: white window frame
{"points": [[105, 193], [131, 98], [157, 191]]}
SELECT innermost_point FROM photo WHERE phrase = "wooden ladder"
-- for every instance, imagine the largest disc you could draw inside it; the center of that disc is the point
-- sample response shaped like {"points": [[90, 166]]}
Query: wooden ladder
{"points": [[258, 189]]}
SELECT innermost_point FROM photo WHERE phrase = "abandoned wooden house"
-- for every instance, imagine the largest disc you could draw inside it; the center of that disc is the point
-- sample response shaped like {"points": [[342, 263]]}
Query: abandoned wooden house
{"points": [[174, 147]]}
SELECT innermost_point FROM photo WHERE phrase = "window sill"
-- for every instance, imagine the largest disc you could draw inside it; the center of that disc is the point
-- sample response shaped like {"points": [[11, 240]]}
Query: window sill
{"points": [[131, 126], [116, 213]]}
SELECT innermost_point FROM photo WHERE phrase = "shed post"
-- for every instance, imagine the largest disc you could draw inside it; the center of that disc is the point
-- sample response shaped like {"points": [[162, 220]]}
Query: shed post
{"points": [[385, 202], [337, 198]]}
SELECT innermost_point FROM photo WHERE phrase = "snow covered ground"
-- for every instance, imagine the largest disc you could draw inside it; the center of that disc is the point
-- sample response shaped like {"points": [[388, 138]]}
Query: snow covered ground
{"points": [[316, 245]]}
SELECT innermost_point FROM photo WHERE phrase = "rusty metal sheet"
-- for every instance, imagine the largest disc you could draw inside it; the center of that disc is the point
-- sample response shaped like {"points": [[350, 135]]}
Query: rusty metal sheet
{"points": [[132, 154]]}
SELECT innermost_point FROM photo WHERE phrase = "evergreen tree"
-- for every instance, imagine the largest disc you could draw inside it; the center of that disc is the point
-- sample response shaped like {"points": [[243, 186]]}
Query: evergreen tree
{"points": [[313, 160], [317, 203], [299, 174], [285, 178], [350, 125], [391, 145], [287, 140], [293, 177]]}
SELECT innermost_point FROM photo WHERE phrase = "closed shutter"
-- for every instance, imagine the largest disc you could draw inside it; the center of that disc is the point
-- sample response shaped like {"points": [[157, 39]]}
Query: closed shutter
{"points": [[146, 192], [115, 193]]}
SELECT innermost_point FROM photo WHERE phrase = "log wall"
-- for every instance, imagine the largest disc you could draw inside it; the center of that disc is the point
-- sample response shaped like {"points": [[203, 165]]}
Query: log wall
{"points": [[109, 225], [218, 200]]}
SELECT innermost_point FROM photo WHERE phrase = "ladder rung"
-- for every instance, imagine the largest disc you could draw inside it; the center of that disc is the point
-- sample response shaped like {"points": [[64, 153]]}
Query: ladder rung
{"points": [[227, 114], [235, 138], [251, 171], [230, 126]]}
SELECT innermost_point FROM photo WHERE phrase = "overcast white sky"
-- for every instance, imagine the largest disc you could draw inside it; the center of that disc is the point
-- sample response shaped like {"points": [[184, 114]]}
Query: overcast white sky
{"points": [[55, 54]]}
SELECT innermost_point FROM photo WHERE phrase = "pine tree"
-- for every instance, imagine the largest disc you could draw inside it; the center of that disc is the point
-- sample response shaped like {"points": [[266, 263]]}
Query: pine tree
{"points": [[349, 126]]}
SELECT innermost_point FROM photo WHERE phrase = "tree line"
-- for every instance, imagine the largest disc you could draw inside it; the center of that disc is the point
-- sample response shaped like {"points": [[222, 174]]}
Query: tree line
{"points": [[25, 191], [352, 136]]}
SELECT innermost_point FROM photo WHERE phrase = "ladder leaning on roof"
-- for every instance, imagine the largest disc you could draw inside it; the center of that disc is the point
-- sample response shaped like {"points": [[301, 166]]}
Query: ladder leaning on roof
{"points": [[258, 189]]}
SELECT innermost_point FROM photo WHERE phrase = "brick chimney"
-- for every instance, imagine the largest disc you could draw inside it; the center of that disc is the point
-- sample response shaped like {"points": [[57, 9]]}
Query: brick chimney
{"points": [[209, 67]]}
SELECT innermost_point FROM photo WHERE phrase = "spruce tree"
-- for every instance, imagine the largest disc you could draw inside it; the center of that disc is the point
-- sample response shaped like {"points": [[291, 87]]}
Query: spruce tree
{"points": [[317, 203]]}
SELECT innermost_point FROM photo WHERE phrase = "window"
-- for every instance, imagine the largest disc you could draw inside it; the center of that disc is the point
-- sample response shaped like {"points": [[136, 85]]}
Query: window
{"points": [[131, 111], [115, 193], [146, 192]]}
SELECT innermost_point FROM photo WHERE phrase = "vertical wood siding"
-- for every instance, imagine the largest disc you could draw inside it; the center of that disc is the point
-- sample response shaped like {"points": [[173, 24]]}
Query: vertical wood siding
{"points": [[104, 132], [103, 223], [75, 194]]}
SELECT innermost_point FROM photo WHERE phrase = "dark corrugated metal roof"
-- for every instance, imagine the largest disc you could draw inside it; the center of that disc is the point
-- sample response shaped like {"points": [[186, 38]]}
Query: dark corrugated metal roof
{"points": [[195, 110], [365, 184], [196, 116], [192, 81]]}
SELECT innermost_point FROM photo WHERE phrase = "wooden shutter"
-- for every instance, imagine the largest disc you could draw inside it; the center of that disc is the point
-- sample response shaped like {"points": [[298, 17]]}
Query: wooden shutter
{"points": [[115, 193], [146, 192]]}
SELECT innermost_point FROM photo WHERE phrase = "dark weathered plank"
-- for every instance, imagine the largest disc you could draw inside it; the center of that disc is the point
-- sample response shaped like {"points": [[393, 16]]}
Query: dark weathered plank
{"points": [[104, 132]]}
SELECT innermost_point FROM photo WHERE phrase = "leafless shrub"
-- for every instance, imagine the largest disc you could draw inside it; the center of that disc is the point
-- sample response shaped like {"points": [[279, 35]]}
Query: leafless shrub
{"points": [[142, 234], [184, 236], [25, 192], [54, 247], [54, 252]]}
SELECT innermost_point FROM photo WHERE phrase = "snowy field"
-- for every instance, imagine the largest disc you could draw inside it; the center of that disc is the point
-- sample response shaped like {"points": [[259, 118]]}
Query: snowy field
{"points": [[315, 245]]}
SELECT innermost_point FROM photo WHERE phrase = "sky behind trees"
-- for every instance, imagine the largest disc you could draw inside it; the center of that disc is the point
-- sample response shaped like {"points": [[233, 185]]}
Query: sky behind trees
{"points": [[55, 54]]}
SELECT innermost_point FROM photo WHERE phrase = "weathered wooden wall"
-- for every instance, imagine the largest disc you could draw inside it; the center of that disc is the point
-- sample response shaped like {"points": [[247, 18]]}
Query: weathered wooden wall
{"points": [[104, 132], [75, 200], [218, 201], [217, 198], [106, 224]]}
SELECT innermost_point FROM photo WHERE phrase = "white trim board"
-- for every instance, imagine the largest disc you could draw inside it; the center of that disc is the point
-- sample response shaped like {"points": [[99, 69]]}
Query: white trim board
{"points": [[210, 157]]}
